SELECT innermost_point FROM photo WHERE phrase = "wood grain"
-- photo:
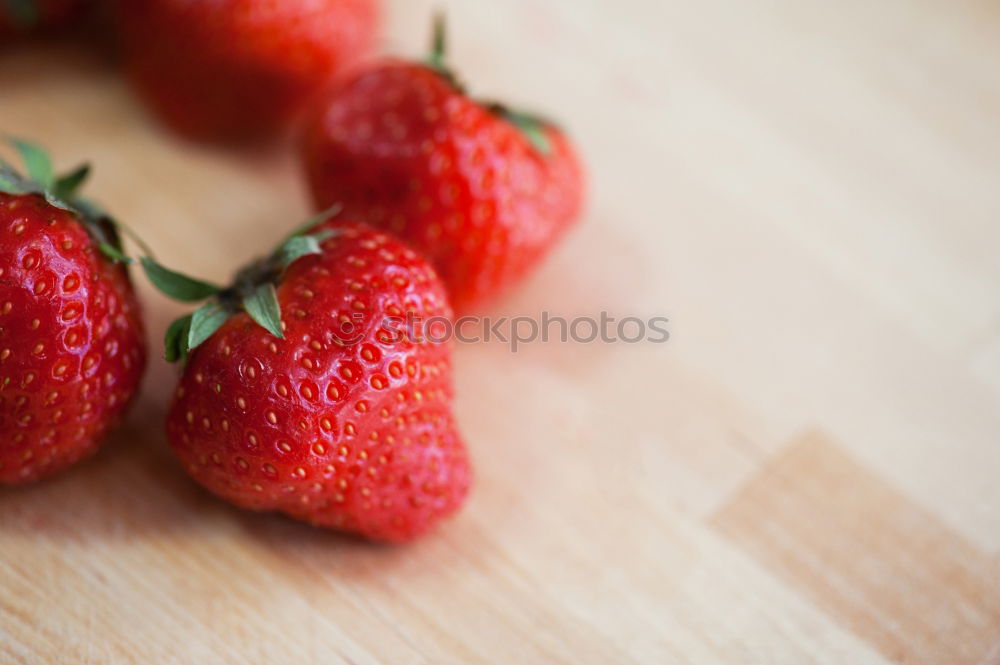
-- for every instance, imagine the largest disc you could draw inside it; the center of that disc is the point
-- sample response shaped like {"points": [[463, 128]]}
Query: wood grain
{"points": [[892, 573], [808, 190]]}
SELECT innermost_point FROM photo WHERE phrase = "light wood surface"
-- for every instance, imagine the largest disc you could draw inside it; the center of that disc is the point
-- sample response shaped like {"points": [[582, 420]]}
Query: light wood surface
{"points": [[806, 473]]}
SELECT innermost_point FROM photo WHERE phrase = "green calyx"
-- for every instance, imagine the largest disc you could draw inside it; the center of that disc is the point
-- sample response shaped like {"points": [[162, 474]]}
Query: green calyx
{"points": [[253, 291], [62, 192], [533, 127]]}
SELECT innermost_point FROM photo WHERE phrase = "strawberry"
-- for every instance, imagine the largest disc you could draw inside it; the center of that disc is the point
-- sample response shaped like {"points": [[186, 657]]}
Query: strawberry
{"points": [[481, 190], [301, 394], [72, 347], [23, 16], [238, 69]]}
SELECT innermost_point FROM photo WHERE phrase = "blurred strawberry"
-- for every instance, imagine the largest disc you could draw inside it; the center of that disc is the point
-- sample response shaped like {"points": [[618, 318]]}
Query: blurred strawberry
{"points": [[483, 191], [238, 69], [72, 348]]}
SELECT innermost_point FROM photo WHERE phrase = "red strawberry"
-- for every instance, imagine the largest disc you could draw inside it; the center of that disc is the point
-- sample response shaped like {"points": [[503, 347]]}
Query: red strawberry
{"points": [[23, 16], [484, 192], [332, 417], [236, 69], [71, 339]]}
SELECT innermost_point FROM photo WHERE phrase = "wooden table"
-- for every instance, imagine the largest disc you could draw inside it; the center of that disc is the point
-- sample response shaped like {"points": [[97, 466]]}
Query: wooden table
{"points": [[807, 472]]}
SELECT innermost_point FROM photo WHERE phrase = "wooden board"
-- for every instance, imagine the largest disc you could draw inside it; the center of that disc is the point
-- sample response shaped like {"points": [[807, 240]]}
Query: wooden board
{"points": [[805, 473]]}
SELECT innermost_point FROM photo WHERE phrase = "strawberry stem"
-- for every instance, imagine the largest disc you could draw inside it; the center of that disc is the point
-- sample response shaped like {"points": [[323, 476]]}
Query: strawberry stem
{"points": [[438, 58], [439, 43], [533, 127]]}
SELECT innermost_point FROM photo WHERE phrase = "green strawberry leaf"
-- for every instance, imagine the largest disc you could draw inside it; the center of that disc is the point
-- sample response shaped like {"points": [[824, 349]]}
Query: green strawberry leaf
{"points": [[66, 186], [177, 286], [533, 129], [298, 246], [113, 253], [57, 202], [11, 182], [36, 162], [8, 186], [315, 221], [116, 227], [176, 339], [262, 306], [204, 322]]}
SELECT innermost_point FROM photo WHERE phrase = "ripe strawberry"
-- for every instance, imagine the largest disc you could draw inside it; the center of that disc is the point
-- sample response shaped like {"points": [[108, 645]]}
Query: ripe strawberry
{"points": [[329, 415], [237, 69], [23, 16], [71, 339], [483, 191]]}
